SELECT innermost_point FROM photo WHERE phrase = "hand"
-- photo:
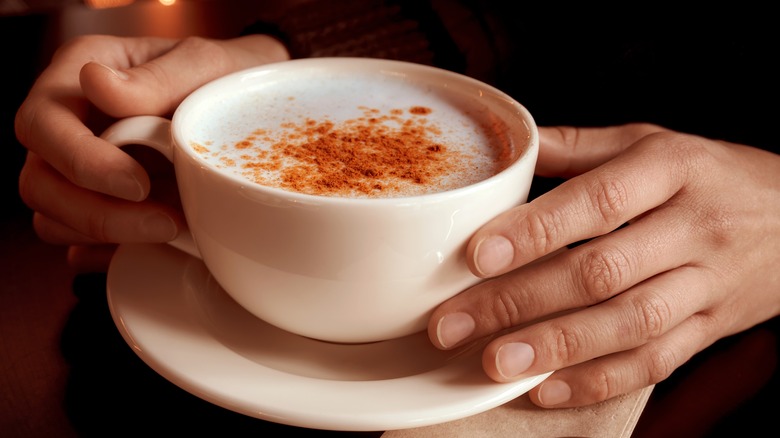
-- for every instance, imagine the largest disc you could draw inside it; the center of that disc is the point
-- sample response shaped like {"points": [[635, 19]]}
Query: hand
{"points": [[86, 192], [679, 239]]}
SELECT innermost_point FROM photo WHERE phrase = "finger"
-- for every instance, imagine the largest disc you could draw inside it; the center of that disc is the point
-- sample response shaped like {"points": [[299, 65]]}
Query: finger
{"points": [[56, 233], [99, 217], [90, 258], [628, 321], [158, 85], [51, 121], [604, 378], [623, 372], [577, 278], [592, 204], [569, 151], [62, 140]]}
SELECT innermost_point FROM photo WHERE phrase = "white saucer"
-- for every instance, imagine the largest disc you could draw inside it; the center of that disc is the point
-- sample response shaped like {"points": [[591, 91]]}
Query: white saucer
{"points": [[184, 326]]}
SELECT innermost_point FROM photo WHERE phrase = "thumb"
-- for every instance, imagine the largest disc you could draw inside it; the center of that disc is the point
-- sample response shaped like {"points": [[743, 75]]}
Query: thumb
{"points": [[158, 85], [567, 151]]}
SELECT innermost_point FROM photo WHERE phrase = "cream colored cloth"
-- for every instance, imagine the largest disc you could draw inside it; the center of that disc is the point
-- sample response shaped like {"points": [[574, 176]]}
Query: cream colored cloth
{"points": [[616, 417]]}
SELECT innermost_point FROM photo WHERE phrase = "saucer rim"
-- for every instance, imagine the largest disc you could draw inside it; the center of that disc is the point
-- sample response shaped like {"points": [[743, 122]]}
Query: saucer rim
{"points": [[148, 345]]}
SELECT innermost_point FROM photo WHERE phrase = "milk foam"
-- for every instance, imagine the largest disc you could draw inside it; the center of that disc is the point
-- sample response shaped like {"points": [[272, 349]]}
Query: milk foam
{"points": [[476, 138]]}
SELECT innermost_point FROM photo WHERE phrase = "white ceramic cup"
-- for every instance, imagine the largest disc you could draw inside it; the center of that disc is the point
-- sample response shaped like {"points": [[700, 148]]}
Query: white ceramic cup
{"points": [[339, 269]]}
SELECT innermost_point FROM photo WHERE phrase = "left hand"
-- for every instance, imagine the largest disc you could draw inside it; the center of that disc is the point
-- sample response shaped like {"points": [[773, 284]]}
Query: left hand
{"points": [[697, 261], [92, 81]]}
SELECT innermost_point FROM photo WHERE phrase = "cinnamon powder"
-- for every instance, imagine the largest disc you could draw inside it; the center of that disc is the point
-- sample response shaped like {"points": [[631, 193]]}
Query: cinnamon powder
{"points": [[373, 155]]}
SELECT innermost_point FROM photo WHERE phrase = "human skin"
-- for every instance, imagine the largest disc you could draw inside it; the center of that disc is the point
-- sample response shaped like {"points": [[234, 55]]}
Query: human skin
{"points": [[681, 232], [695, 262], [85, 192]]}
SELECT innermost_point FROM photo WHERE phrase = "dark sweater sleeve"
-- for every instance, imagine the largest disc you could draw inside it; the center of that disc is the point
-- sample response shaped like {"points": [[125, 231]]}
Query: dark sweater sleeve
{"points": [[406, 30]]}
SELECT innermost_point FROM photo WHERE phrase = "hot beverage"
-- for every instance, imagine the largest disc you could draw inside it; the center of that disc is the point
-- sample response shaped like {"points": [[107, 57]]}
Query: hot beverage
{"points": [[354, 135], [405, 163]]}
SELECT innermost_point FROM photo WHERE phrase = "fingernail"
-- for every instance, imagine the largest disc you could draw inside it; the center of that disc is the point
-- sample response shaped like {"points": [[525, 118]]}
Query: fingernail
{"points": [[118, 73], [159, 227], [454, 328], [493, 254], [514, 358], [554, 392]]}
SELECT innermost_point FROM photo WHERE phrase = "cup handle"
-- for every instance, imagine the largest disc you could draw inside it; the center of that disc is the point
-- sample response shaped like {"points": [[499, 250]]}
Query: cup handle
{"points": [[154, 132]]}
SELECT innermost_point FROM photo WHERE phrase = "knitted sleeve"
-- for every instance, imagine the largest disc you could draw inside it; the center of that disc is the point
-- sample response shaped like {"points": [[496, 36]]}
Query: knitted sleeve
{"points": [[407, 30]]}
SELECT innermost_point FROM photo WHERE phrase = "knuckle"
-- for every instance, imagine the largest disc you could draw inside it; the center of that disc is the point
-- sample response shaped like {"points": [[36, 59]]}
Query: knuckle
{"points": [[96, 227], [716, 220], [602, 273], [600, 384], [542, 230], [78, 164], [198, 44], [26, 186], [505, 310], [191, 46], [652, 315], [206, 49], [693, 150], [568, 135], [167, 82], [693, 153], [22, 121], [609, 197], [661, 362], [158, 73], [77, 44], [566, 346], [26, 119]]}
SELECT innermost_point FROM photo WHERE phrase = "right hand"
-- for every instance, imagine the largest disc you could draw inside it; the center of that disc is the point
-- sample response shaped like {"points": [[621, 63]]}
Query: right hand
{"points": [[85, 192]]}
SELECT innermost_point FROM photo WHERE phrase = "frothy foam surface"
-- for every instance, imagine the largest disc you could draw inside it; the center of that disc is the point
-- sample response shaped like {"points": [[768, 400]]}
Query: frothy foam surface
{"points": [[353, 135]]}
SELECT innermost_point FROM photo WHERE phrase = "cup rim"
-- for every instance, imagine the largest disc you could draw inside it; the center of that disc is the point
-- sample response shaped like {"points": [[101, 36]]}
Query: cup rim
{"points": [[530, 151]]}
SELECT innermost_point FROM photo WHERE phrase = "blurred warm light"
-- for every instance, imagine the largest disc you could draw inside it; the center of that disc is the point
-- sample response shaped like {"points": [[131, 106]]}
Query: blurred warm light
{"points": [[104, 4], [167, 2]]}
